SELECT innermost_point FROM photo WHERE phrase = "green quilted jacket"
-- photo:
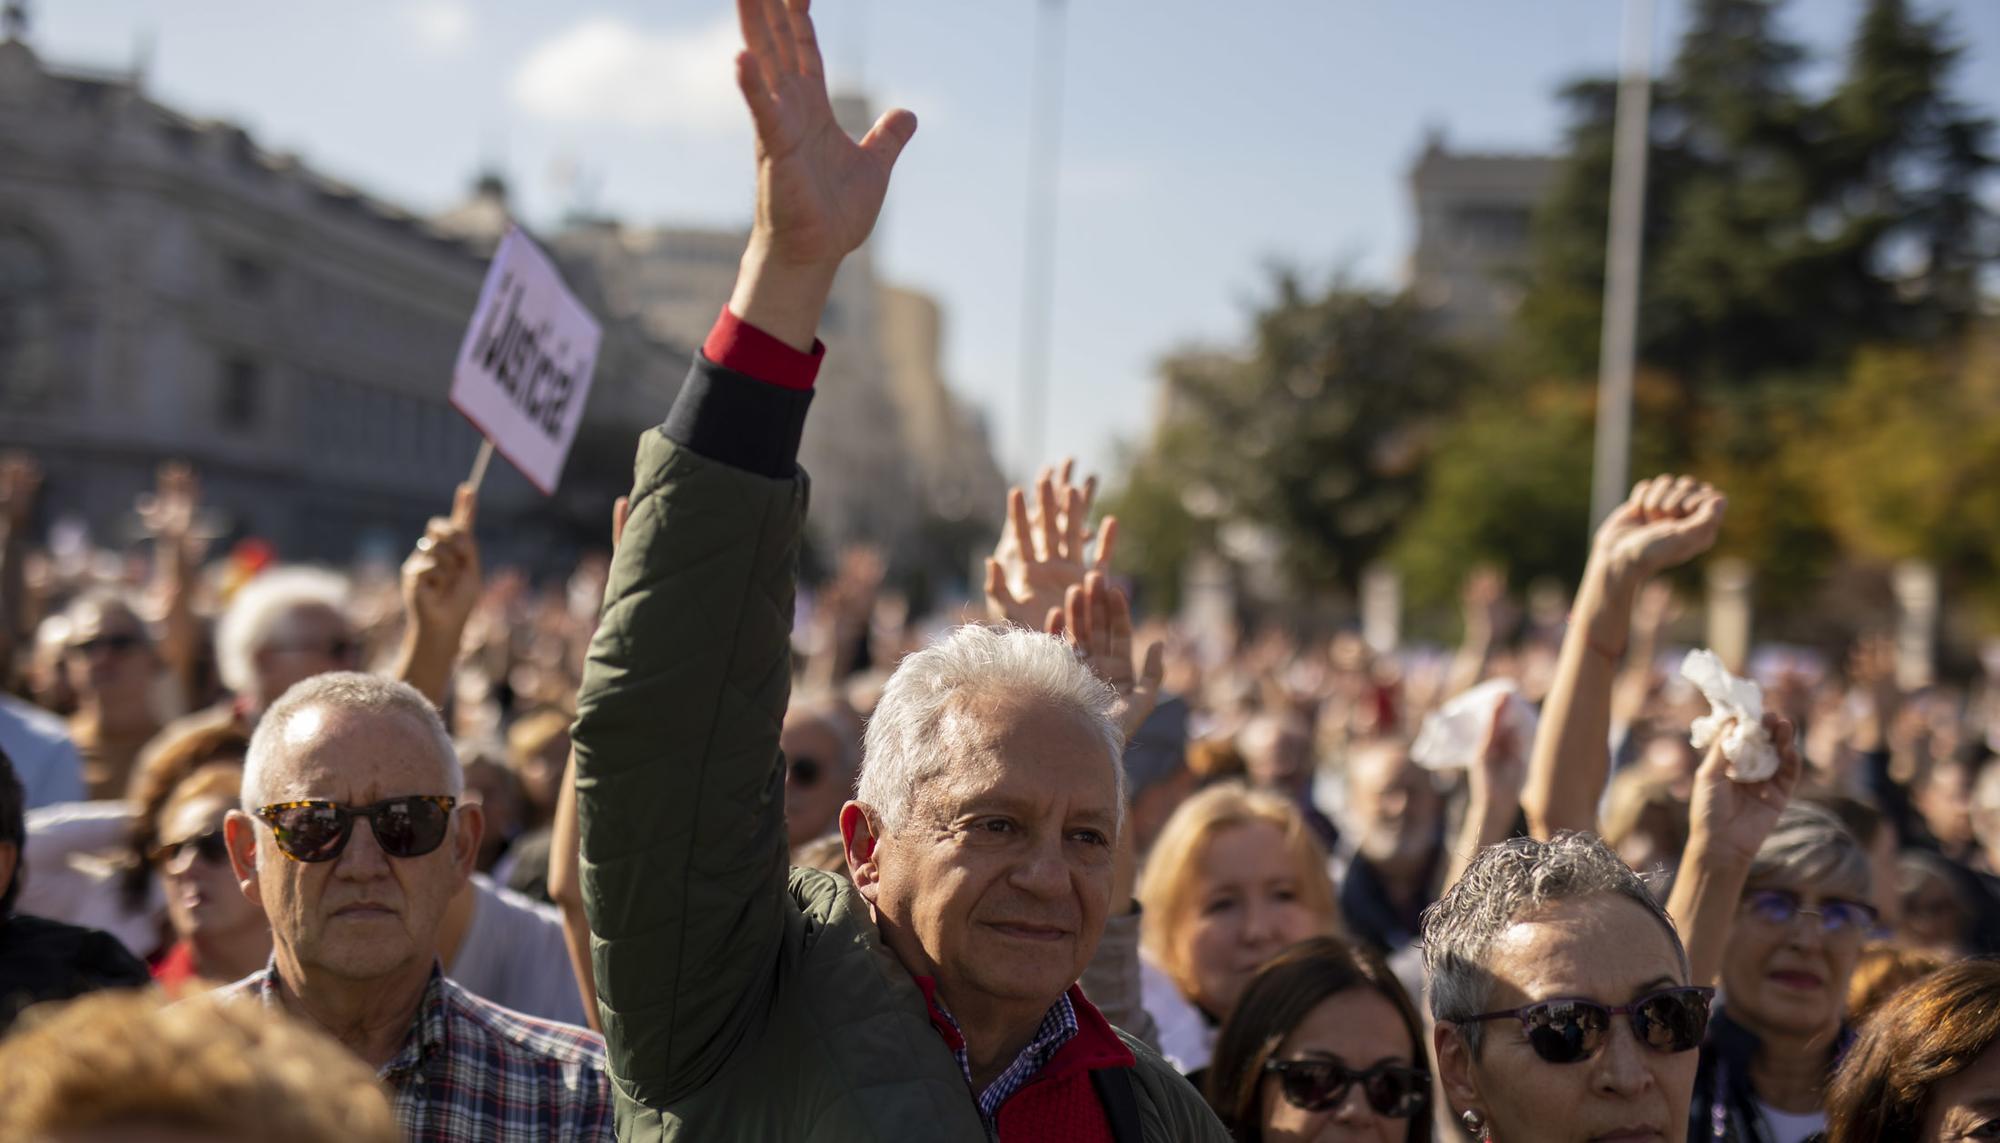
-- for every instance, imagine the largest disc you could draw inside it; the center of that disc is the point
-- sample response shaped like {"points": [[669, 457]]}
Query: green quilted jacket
{"points": [[742, 999]]}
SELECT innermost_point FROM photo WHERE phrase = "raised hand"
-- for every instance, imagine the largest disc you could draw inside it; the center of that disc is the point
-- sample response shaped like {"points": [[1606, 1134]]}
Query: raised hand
{"points": [[1731, 819], [818, 191], [1500, 771], [1044, 553], [1097, 620], [169, 511], [441, 579], [1667, 521]]}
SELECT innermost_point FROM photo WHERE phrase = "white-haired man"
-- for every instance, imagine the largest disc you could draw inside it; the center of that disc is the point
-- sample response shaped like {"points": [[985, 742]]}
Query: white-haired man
{"points": [[353, 839], [934, 997]]}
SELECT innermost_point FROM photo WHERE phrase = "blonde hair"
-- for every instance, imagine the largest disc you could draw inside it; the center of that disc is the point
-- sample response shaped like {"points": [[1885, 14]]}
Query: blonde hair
{"points": [[216, 780], [1167, 887], [124, 1059]]}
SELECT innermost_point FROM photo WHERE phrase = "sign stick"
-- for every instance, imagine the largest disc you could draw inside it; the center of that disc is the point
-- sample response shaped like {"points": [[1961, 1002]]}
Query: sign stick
{"points": [[479, 464]]}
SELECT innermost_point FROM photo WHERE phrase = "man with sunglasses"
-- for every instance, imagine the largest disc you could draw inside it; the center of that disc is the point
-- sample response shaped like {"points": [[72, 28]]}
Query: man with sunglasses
{"points": [[353, 837], [935, 996]]}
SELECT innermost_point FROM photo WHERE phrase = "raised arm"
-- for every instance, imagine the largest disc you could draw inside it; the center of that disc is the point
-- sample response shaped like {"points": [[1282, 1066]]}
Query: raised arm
{"points": [[441, 584], [1728, 822], [168, 514], [1493, 789], [565, 878], [677, 762], [1667, 521]]}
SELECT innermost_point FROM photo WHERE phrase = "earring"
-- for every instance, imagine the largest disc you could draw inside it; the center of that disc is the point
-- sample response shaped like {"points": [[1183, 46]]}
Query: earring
{"points": [[1474, 1123]]}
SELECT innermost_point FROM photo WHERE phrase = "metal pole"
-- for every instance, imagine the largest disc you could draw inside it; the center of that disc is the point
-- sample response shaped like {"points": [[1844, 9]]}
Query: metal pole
{"points": [[1039, 241], [1611, 471]]}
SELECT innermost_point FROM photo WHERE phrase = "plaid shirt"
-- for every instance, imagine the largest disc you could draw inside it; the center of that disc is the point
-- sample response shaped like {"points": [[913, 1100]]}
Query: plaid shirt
{"points": [[472, 1070], [1058, 1028]]}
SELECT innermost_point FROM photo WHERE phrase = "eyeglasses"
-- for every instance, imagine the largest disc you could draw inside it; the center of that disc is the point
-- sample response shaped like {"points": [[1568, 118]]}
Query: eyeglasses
{"points": [[318, 831], [1837, 918], [1315, 1085], [208, 846], [1569, 1031], [116, 644], [804, 773]]}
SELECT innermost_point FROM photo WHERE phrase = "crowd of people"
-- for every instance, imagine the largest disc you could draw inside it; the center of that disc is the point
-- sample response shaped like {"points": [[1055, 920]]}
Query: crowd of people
{"points": [[677, 847]]}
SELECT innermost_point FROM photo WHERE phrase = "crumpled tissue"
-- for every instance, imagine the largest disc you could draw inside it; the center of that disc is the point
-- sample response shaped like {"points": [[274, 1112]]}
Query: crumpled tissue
{"points": [[1737, 718], [1450, 736]]}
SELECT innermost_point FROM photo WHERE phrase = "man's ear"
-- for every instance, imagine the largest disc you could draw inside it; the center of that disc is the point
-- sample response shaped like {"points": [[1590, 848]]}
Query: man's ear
{"points": [[239, 833], [465, 837], [859, 836], [1454, 1064]]}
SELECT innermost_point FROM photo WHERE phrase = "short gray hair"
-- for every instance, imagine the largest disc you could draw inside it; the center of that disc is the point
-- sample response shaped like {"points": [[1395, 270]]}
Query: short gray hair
{"points": [[918, 730], [1507, 883], [259, 608], [344, 691], [1810, 846]]}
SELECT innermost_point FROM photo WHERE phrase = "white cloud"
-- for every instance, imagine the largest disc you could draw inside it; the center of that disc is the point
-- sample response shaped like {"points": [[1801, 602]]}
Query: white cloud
{"points": [[441, 25], [606, 71]]}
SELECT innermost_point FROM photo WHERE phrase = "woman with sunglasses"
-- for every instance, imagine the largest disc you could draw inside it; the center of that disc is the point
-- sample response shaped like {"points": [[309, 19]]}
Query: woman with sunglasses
{"points": [[218, 935], [1564, 1007], [1925, 1069], [1324, 1044]]}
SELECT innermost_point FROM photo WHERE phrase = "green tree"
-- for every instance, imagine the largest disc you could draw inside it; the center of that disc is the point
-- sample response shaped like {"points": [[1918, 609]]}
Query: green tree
{"points": [[1906, 163], [1907, 477], [1319, 432]]}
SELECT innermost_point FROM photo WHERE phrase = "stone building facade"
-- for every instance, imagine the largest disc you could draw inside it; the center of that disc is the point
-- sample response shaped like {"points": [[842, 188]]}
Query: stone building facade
{"points": [[169, 289], [1475, 214]]}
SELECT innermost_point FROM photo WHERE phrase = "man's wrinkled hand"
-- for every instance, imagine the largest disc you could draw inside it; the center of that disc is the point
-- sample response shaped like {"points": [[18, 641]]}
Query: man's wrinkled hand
{"points": [[818, 191]]}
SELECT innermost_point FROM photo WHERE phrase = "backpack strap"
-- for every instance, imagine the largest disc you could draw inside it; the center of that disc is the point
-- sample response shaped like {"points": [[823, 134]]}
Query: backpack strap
{"points": [[1121, 1103]]}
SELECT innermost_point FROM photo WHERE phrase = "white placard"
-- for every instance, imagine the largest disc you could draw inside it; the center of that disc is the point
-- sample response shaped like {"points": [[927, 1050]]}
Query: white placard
{"points": [[524, 368]]}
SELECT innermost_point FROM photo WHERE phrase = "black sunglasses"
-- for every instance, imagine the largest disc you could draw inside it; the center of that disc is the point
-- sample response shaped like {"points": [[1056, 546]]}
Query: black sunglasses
{"points": [[318, 831], [208, 846], [1316, 1085], [805, 773], [1569, 1031]]}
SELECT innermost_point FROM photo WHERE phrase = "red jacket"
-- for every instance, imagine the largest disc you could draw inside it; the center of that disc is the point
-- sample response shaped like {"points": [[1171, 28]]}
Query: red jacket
{"points": [[1060, 1104]]}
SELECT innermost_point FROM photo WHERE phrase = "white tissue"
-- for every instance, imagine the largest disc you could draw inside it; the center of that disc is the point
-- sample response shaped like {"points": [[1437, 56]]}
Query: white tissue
{"points": [[1451, 734], [1737, 718]]}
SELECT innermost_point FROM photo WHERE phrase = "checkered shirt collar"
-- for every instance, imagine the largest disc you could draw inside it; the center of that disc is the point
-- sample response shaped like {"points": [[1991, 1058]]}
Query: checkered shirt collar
{"points": [[1058, 1027]]}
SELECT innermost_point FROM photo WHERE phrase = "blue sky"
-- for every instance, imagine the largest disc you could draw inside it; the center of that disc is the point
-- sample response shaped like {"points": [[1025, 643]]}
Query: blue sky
{"points": [[1202, 139]]}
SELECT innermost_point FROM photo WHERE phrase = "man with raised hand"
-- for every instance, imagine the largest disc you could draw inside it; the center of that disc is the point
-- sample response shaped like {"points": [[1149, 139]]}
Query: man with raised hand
{"points": [[934, 997]]}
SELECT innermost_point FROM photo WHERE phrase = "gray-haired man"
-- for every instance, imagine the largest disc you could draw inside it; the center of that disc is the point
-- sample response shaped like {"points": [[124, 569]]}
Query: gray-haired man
{"points": [[933, 998], [353, 840]]}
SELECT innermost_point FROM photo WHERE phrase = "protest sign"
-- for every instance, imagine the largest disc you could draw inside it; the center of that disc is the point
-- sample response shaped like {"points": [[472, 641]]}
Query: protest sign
{"points": [[524, 368]]}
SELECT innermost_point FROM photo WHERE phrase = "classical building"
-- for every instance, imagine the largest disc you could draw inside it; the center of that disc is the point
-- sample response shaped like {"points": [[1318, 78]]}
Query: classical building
{"points": [[169, 289], [1474, 225]]}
